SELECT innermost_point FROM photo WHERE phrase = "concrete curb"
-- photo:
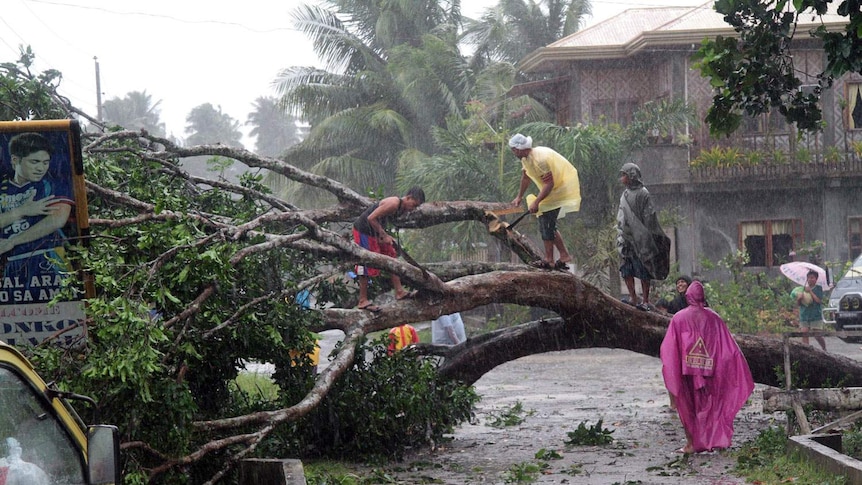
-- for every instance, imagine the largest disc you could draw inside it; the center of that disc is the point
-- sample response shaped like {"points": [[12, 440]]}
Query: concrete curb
{"points": [[826, 451]]}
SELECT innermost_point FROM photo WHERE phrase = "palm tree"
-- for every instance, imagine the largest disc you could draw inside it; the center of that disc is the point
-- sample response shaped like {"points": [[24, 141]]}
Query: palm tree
{"points": [[505, 34], [206, 124], [393, 71], [512, 29], [275, 131], [136, 111]]}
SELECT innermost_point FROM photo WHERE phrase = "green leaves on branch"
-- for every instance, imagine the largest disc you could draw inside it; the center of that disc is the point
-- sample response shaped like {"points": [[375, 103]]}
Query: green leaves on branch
{"points": [[24, 95], [755, 73], [404, 403]]}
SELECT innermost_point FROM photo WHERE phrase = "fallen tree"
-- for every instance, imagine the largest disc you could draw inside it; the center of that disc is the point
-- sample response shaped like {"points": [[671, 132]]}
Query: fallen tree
{"points": [[221, 266], [832, 399]]}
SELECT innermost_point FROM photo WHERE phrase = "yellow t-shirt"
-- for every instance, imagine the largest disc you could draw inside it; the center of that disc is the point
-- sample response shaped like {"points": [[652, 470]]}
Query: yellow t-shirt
{"points": [[400, 337], [314, 356], [566, 194]]}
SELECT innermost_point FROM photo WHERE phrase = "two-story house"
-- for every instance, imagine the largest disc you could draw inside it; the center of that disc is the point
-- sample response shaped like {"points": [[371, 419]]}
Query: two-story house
{"points": [[773, 193]]}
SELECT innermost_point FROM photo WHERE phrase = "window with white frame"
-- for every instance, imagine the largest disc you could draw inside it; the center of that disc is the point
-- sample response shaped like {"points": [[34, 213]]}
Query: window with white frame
{"points": [[769, 243]]}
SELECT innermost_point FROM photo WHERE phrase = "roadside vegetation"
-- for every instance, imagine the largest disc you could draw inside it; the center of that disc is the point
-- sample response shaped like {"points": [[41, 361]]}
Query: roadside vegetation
{"points": [[766, 460]]}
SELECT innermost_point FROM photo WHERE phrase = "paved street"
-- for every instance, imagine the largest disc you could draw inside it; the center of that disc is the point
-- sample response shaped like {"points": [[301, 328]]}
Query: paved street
{"points": [[835, 345]]}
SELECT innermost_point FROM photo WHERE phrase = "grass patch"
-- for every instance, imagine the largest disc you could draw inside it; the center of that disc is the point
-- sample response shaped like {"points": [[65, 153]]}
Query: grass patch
{"points": [[330, 473], [424, 335], [766, 460], [258, 387]]}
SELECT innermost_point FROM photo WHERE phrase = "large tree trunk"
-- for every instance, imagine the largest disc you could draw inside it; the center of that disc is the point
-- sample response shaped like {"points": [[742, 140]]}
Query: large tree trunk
{"points": [[589, 317]]}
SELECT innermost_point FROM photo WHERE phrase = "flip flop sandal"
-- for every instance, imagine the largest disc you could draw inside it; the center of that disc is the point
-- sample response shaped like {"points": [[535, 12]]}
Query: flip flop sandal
{"points": [[541, 264], [369, 307], [409, 295], [641, 306], [561, 266]]}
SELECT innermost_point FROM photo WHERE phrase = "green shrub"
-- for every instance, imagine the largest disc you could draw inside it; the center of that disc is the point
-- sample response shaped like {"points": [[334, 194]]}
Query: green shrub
{"points": [[851, 442], [381, 406], [718, 157], [755, 158], [750, 303], [833, 155], [762, 450]]}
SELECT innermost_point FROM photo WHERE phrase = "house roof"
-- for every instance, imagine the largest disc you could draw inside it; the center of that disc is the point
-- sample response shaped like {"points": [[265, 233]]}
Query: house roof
{"points": [[641, 28], [622, 28]]}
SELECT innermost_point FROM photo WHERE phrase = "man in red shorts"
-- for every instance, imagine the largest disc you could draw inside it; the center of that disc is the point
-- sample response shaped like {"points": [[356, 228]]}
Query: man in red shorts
{"points": [[369, 231]]}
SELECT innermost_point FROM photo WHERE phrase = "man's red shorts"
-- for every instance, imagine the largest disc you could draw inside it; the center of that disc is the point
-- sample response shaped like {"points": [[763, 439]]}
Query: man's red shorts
{"points": [[370, 243]]}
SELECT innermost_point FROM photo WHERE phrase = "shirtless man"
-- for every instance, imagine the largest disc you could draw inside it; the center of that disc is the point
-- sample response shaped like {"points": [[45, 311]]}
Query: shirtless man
{"points": [[369, 231]]}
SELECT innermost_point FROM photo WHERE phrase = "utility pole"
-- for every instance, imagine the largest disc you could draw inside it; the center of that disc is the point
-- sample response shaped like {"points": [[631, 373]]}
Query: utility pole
{"points": [[98, 91]]}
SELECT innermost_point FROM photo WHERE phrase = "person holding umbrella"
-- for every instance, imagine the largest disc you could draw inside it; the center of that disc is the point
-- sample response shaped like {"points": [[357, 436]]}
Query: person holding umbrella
{"points": [[809, 298]]}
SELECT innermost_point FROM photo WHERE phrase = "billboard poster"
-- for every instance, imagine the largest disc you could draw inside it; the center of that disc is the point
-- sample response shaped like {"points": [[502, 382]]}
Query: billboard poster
{"points": [[43, 209]]}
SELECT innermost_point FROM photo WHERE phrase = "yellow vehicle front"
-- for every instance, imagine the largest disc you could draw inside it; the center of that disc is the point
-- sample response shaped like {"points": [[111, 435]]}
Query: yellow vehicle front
{"points": [[42, 438]]}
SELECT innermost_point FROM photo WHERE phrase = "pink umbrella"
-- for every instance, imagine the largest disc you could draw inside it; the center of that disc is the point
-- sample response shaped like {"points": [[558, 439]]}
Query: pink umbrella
{"points": [[797, 271]]}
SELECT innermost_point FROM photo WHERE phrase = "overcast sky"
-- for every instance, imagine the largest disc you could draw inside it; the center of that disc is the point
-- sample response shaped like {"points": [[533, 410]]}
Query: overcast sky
{"points": [[182, 52]]}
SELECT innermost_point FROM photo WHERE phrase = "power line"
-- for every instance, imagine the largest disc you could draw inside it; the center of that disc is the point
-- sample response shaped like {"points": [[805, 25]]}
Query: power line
{"points": [[39, 62], [11, 29], [167, 17], [43, 62]]}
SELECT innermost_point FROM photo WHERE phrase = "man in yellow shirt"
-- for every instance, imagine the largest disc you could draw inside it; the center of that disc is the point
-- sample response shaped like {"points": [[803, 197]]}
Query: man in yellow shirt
{"points": [[559, 194]]}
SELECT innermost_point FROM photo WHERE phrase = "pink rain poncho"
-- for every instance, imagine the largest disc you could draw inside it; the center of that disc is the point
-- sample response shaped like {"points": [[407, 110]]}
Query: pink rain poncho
{"points": [[705, 373]]}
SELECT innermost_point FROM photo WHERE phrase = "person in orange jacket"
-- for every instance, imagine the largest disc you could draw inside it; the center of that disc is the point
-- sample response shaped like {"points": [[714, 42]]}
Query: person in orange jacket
{"points": [[400, 337]]}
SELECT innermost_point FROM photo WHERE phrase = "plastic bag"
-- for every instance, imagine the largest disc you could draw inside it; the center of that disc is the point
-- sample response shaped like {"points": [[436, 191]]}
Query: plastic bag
{"points": [[18, 471]]}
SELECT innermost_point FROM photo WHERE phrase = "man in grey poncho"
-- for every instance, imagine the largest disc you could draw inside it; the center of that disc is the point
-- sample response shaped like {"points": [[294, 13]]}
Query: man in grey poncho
{"points": [[641, 242]]}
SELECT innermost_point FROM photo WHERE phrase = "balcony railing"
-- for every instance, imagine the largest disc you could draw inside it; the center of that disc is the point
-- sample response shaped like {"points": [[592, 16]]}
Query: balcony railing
{"points": [[769, 170]]}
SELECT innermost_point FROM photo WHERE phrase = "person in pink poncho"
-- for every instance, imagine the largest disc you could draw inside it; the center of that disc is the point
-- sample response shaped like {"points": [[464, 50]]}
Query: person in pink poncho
{"points": [[705, 373]]}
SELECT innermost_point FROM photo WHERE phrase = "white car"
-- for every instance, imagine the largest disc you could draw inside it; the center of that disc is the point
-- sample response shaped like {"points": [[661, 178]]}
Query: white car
{"points": [[845, 302]]}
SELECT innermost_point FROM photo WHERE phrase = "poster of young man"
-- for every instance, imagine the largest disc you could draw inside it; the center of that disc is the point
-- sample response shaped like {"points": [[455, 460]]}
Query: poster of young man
{"points": [[43, 209]]}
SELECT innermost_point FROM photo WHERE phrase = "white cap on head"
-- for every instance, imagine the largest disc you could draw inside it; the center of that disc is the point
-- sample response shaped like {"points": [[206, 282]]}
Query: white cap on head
{"points": [[521, 142]]}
